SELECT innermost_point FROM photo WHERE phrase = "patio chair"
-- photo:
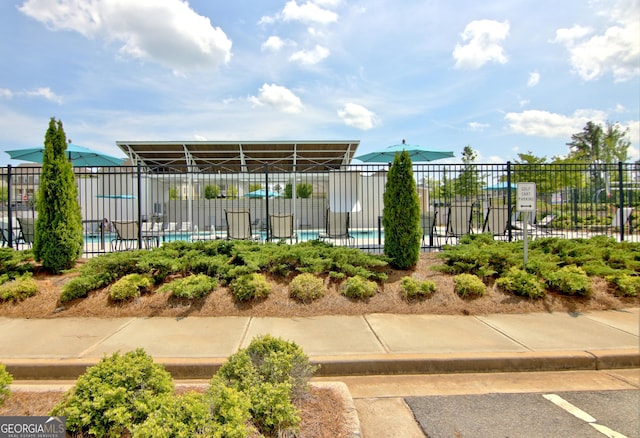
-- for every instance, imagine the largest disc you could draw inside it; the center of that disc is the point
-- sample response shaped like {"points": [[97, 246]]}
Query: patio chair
{"points": [[428, 222], [171, 227], [239, 225], [626, 215], [336, 227], [126, 235], [497, 221], [281, 227], [185, 227], [151, 233], [459, 221], [27, 230]]}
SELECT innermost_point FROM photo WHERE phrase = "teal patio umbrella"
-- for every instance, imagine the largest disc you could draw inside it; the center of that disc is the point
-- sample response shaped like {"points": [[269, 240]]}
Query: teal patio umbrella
{"points": [[416, 153], [261, 193], [78, 155]]}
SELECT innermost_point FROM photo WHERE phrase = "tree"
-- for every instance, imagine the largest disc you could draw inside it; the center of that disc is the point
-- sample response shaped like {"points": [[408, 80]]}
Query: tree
{"points": [[58, 229], [211, 191], [303, 190], [595, 144], [401, 214], [468, 183]]}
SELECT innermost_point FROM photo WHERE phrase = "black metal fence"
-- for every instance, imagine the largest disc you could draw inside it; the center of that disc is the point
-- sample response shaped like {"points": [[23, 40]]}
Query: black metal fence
{"points": [[573, 200]]}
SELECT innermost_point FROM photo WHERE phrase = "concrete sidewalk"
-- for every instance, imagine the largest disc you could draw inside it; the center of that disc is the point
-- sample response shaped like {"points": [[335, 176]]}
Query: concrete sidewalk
{"points": [[194, 347]]}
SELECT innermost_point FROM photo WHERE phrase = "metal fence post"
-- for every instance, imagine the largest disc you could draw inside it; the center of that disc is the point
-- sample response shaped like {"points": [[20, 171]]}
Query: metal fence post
{"points": [[621, 196], [266, 198], [139, 173], [509, 203], [9, 220]]}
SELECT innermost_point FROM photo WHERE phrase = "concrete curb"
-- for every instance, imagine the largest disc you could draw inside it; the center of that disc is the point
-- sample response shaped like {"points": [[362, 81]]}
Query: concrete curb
{"points": [[382, 364]]}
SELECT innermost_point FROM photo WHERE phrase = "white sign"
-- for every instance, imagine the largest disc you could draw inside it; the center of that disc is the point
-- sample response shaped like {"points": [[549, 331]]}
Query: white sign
{"points": [[526, 197]]}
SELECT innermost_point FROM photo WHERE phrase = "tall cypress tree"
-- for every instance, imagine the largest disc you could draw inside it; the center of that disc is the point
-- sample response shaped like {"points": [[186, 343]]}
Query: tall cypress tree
{"points": [[401, 215], [58, 230]]}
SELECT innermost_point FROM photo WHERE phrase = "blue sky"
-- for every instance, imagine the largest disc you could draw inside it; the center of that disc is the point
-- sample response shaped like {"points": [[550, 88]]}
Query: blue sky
{"points": [[502, 76]]}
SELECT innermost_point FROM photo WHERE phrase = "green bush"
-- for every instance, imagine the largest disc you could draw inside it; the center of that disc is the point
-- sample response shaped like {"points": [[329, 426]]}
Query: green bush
{"points": [[128, 287], [221, 413], [79, 287], [570, 280], [414, 288], [401, 216], [358, 288], [14, 263], [18, 289], [250, 287], [270, 371], [5, 381], [191, 287], [468, 285], [114, 395], [626, 285], [522, 283], [306, 287]]}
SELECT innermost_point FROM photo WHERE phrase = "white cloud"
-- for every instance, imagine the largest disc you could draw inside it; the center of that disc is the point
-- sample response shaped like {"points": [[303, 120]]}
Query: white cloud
{"points": [[534, 79], [476, 126], [310, 57], [273, 44], [308, 13], [168, 32], [44, 92], [357, 116], [634, 136], [615, 50], [546, 124], [483, 38], [278, 97]]}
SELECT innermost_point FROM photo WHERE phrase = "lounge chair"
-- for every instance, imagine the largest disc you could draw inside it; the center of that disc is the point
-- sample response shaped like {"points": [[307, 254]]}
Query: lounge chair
{"points": [[281, 227], [626, 215], [497, 222], [27, 230], [459, 221], [185, 227], [428, 223], [239, 225], [126, 235], [336, 227]]}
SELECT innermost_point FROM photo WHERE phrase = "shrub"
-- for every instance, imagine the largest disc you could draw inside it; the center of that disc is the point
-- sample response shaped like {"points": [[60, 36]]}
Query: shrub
{"points": [[270, 371], [570, 280], [358, 288], [626, 285], [5, 381], [58, 229], [413, 288], [401, 216], [220, 413], [250, 287], [19, 289], [191, 287], [467, 285], [128, 287], [306, 287], [522, 283], [14, 263], [79, 287], [114, 395]]}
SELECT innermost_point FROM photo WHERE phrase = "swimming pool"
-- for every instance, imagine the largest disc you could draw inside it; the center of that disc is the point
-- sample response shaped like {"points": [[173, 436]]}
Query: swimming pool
{"points": [[303, 236]]}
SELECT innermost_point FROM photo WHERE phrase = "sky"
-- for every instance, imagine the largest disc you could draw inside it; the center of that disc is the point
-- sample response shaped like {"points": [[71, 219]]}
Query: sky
{"points": [[502, 76]]}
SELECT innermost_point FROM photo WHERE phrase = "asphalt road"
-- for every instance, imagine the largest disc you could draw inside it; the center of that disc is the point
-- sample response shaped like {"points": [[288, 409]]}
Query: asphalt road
{"points": [[582, 414]]}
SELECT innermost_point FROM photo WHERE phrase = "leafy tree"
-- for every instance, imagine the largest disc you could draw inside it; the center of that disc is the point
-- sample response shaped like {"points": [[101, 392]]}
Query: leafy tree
{"points": [[601, 145], [533, 170], [232, 192], [303, 190], [173, 193], [401, 215], [469, 182], [58, 229], [211, 191], [253, 187]]}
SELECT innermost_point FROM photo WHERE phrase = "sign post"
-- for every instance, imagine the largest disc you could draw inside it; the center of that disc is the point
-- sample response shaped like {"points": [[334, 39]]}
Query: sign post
{"points": [[526, 203]]}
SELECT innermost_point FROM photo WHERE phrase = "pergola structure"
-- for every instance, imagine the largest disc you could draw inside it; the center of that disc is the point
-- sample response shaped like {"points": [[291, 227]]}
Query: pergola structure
{"points": [[241, 156]]}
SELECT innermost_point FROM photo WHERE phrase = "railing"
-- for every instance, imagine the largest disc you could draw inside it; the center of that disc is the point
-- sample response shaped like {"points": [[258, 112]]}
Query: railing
{"points": [[189, 204]]}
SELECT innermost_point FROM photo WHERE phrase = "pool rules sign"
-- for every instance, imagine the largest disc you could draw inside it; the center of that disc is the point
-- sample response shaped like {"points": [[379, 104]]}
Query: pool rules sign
{"points": [[526, 204]]}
